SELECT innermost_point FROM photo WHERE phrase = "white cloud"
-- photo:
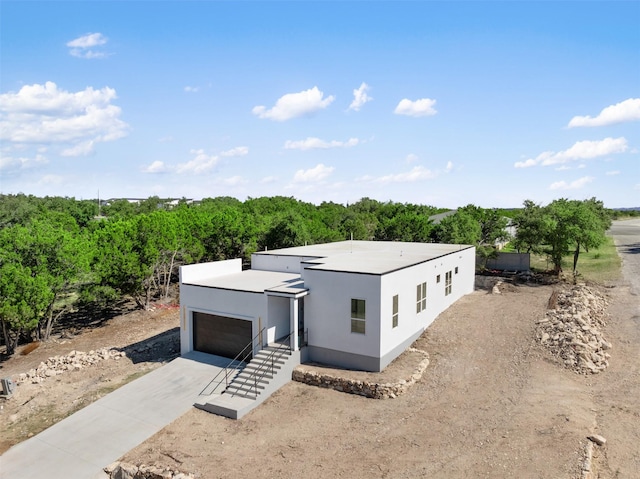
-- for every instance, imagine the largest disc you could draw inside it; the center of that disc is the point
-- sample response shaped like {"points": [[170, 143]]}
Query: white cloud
{"points": [[156, 167], [422, 107], [201, 163], [562, 168], [237, 151], [268, 179], [581, 150], [235, 181], [319, 173], [294, 105], [81, 47], [612, 173], [360, 97], [81, 149], [449, 167], [574, 185], [191, 89], [411, 158], [627, 110], [11, 165], [417, 173], [41, 115], [312, 143], [50, 180]]}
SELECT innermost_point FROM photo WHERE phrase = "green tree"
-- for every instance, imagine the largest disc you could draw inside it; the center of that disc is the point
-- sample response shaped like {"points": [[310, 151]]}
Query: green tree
{"points": [[459, 228], [24, 298], [286, 231], [55, 254], [531, 228], [562, 227]]}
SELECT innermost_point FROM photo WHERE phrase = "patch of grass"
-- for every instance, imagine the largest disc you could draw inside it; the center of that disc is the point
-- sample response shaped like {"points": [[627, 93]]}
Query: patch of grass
{"points": [[598, 265], [602, 264]]}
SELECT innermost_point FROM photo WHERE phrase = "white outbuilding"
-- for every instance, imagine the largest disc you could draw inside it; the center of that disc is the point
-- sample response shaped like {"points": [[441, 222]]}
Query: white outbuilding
{"points": [[353, 304]]}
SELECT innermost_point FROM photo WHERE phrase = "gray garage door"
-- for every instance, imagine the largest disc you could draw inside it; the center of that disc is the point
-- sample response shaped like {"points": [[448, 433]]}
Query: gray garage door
{"points": [[220, 335]]}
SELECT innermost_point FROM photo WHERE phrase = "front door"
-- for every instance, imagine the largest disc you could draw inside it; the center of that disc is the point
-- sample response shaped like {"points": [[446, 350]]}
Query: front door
{"points": [[301, 338]]}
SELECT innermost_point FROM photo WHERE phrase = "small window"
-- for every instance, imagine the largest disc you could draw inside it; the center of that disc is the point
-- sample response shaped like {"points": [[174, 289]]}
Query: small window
{"points": [[438, 279], [447, 283], [394, 316], [421, 297], [456, 270], [358, 316]]}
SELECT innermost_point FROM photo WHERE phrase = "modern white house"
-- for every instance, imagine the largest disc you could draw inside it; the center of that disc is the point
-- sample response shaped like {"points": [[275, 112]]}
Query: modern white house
{"points": [[352, 304]]}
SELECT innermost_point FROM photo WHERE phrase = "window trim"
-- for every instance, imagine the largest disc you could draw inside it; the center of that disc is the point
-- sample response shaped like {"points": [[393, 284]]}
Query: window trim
{"points": [[421, 297], [448, 281], [355, 320], [395, 306]]}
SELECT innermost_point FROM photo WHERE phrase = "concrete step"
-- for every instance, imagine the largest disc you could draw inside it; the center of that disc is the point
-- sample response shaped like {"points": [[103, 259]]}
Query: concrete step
{"points": [[242, 391], [242, 377], [265, 357], [248, 382], [262, 368]]}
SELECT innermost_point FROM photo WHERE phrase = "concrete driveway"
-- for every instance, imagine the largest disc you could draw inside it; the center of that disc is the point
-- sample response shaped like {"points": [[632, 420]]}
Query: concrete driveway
{"points": [[82, 444]]}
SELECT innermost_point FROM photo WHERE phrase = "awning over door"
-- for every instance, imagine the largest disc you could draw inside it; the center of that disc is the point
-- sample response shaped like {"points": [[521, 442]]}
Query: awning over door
{"points": [[220, 335]]}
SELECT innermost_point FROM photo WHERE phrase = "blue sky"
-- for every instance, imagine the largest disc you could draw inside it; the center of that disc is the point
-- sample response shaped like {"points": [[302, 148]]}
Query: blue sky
{"points": [[440, 103]]}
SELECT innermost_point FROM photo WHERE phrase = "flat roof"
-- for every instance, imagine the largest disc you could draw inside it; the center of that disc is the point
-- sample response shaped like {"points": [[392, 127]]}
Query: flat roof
{"points": [[366, 257], [254, 281]]}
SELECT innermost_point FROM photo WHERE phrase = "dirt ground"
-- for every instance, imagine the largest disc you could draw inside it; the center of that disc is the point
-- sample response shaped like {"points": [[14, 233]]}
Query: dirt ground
{"points": [[492, 403], [148, 338]]}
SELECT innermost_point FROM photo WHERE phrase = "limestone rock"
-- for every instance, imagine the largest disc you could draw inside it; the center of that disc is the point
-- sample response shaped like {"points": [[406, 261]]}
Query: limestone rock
{"points": [[597, 439], [572, 329]]}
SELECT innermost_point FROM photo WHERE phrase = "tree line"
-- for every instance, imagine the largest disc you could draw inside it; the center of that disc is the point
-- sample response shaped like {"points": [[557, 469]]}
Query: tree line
{"points": [[57, 253]]}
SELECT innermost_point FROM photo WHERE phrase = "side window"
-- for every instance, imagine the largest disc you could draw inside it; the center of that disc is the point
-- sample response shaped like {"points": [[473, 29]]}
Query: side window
{"points": [[421, 297], [394, 314], [438, 279], [358, 316], [456, 270]]}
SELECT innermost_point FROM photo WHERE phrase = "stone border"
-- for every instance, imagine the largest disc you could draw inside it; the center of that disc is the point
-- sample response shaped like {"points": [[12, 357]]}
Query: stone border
{"points": [[124, 470], [363, 388], [74, 361]]}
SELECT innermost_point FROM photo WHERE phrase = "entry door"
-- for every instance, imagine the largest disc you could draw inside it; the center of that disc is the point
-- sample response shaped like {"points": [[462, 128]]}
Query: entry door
{"points": [[301, 340]]}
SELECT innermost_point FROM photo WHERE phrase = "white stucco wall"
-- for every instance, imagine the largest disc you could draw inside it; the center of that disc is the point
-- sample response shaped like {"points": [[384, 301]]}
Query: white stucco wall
{"points": [[196, 272], [328, 311], [278, 318], [404, 283], [235, 304], [274, 262]]}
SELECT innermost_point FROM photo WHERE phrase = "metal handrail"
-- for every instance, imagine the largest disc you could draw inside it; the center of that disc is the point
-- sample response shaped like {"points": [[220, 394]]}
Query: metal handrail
{"points": [[235, 368], [264, 366]]}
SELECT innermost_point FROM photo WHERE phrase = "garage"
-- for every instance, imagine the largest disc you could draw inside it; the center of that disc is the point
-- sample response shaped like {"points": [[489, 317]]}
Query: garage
{"points": [[220, 335]]}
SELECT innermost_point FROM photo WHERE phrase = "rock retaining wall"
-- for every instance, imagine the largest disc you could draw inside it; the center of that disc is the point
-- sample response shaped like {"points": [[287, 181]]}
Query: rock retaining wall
{"points": [[571, 329], [363, 388], [124, 470], [74, 361]]}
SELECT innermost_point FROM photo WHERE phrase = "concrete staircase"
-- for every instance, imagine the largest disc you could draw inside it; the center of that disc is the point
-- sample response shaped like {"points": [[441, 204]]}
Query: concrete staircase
{"points": [[256, 376], [268, 371]]}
